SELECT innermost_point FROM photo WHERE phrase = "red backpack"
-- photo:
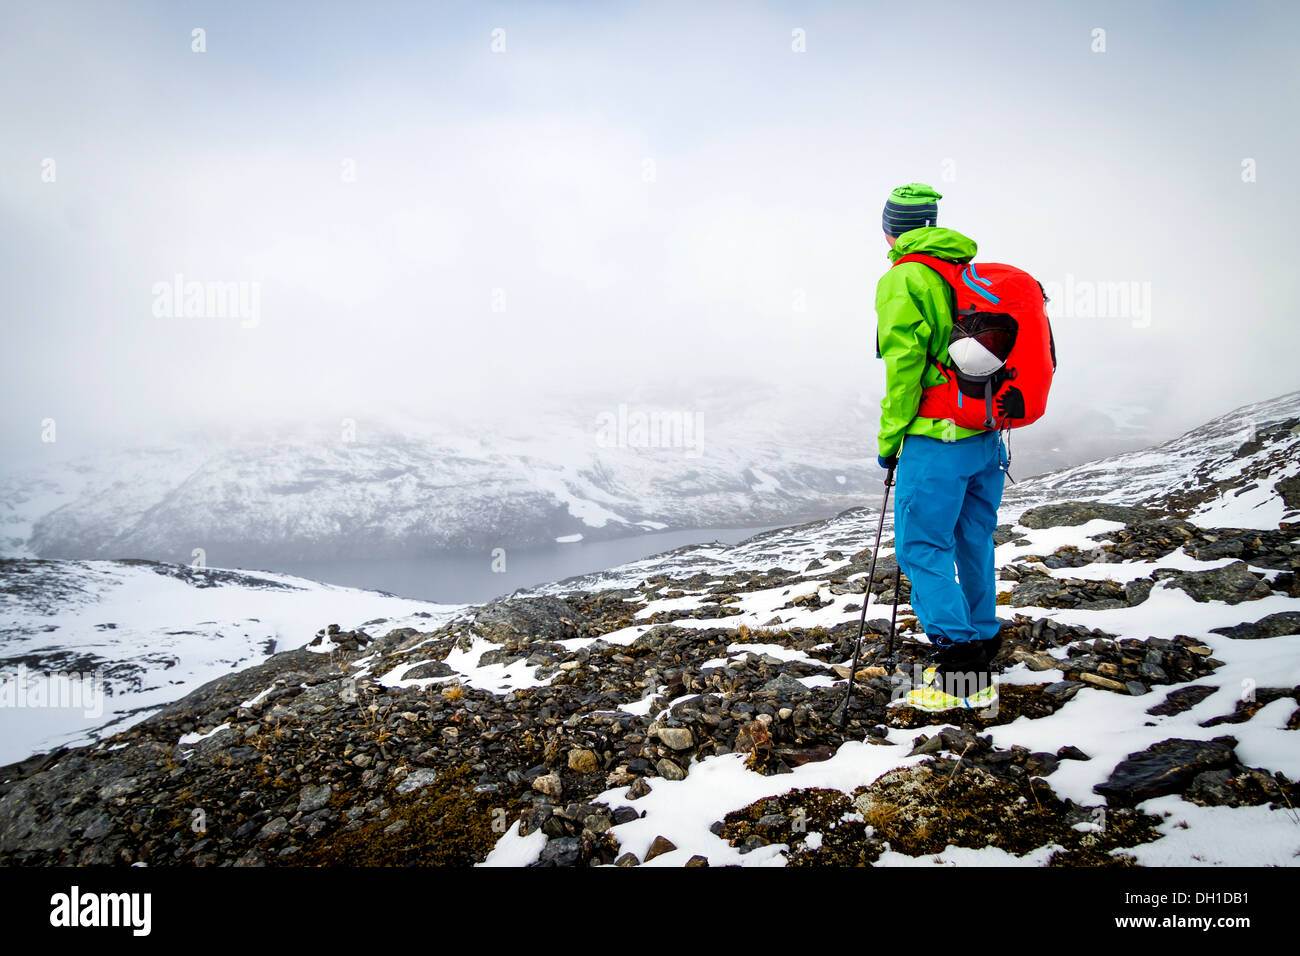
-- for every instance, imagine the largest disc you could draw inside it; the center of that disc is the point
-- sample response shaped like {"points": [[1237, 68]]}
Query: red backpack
{"points": [[1001, 352]]}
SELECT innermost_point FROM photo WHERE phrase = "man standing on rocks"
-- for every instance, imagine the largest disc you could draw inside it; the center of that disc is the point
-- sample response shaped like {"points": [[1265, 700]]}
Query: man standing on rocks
{"points": [[948, 478]]}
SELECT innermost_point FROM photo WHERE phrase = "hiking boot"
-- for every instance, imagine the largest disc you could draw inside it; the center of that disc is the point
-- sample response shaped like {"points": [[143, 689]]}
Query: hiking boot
{"points": [[991, 646], [931, 698], [960, 678]]}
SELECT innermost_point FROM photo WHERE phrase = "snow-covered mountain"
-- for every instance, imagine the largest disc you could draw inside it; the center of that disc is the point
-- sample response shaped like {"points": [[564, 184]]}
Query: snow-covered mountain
{"points": [[405, 487], [1238, 470], [394, 490]]}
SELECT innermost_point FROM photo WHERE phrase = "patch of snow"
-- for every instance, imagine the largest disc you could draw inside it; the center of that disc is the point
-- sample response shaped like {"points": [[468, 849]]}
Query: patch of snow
{"points": [[515, 850], [195, 737]]}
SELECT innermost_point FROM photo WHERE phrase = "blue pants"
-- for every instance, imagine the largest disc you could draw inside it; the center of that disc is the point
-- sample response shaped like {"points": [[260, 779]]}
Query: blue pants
{"points": [[945, 513]]}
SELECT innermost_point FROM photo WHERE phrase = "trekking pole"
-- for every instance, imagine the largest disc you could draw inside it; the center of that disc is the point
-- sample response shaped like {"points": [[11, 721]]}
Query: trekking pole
{"points": [[866, 597], [893, 613]]}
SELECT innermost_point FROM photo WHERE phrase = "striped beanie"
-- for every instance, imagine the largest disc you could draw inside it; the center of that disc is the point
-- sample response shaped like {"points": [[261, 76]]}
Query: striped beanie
{"points": [[910, 207]]}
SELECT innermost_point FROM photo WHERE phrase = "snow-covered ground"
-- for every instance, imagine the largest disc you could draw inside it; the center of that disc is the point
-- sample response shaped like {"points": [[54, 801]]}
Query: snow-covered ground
{"points": [[155, 632], [1105, 725], [132, 637]]}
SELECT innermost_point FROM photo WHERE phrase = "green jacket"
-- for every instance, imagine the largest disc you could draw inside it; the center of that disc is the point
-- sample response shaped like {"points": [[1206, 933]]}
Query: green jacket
{"points": [[913, 321]]}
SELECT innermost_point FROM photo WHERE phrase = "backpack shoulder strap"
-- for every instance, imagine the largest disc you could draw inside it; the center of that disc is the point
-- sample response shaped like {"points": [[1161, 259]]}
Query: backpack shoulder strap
{"points": [[951, 273], [949, 270]]}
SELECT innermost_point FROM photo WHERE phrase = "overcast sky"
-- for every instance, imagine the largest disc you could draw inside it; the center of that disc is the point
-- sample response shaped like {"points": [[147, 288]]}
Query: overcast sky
{"points": [[624, 195]]}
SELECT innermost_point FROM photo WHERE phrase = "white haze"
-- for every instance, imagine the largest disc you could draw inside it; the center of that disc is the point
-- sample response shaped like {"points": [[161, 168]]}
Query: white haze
{"points": [[523, 171]]}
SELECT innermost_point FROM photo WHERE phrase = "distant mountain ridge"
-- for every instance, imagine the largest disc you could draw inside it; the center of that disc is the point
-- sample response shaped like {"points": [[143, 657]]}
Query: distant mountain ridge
{"points": [[410, 488], [1241, 469]]}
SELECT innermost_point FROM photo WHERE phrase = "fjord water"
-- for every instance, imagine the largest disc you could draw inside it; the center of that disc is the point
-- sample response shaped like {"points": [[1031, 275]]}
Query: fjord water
{"points": [[469, 577]]}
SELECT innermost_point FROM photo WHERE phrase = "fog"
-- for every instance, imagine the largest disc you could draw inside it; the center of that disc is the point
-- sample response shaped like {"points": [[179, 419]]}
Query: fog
{"points": [[622, 197]]}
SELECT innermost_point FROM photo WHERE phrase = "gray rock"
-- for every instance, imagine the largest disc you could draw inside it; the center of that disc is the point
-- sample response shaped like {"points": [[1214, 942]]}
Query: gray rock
{"points": [[1166, 767], [1232, 547], [429, 669], [1274, 625], [498, 655], [1072, 513], [539, 618], [550, 785], [119, 788], [1063, 690], [99, 826], [414, 781], [1289, 489], [1004, 535], [1041, 763], [1071, 752], [670, 770], [1184, 698], [1223, 788], [277, 827], [1232, 583], [564, 851], [1211, 788], [313, 797], [652, 639], [1138, 591], [1153, 673], [931, 745], [625, 815], [678, 738], [1104, 604], [1039, 590], [787, 686], [1035, 661]]}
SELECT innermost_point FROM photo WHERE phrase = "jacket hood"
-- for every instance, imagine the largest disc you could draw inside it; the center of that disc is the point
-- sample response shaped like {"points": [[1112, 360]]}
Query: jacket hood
{"points": [[934, 241]]}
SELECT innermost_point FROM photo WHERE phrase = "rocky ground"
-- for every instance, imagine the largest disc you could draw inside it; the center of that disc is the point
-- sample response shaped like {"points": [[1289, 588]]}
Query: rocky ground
{"points": [[1149, 691], [427, 747]]}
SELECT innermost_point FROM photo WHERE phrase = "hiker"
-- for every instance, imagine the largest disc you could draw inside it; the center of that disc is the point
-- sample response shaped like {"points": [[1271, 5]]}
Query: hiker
{"points": [[948, 478]]}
